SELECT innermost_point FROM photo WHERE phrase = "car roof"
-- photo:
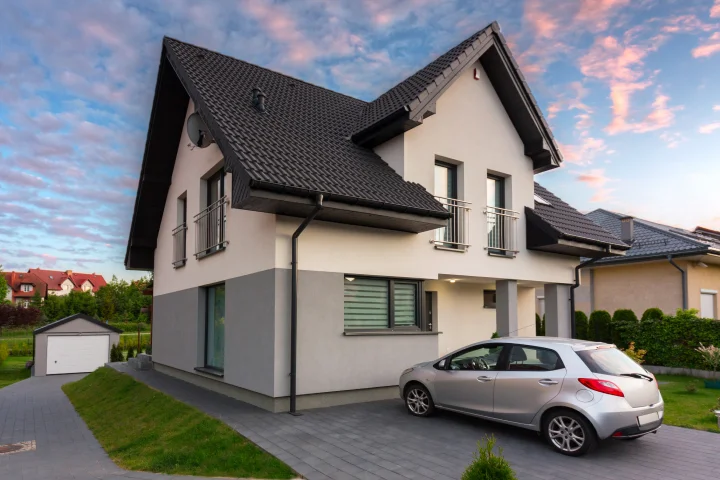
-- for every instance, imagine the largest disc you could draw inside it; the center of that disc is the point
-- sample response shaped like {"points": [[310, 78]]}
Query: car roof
{"points": [[548, 341]]}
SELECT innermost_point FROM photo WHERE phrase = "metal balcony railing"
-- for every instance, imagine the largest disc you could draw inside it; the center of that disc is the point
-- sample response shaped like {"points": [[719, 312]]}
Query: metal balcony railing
{"points": [[502, 230], [210, 228], [179, 245], [457, 232]]}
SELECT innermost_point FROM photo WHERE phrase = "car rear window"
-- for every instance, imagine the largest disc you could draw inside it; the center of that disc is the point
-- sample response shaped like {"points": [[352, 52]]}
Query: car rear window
{"points": [[609, 361]]}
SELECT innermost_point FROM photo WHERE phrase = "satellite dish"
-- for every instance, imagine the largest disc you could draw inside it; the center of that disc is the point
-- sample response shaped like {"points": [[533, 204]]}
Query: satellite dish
{"points": [[198, 131]]}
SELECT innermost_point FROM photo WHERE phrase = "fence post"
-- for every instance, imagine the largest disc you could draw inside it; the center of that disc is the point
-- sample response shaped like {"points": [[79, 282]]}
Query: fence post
{"points": [[138, 349]]}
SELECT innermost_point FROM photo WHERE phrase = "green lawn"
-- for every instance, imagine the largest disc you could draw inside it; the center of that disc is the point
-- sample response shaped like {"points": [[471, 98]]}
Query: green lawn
{"points": [[143, 429], [13, 370], [690, 410]]}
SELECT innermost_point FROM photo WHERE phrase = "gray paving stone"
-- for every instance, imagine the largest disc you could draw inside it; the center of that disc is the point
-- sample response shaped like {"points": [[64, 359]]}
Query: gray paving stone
{"points": [[379, 440]]}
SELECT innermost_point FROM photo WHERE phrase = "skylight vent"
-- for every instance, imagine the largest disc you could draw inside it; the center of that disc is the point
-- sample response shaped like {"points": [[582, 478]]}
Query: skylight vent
{"points": [[539, 199]]}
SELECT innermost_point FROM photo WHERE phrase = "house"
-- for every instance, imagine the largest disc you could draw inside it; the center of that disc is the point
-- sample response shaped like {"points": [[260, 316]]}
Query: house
{"points": [[24, 285], [61, 282], [666, 267], [308, 246]]}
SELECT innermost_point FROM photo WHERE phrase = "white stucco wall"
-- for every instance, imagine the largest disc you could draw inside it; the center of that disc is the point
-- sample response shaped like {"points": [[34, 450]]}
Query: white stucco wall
{"points": [[250, 234], [470, 128]]}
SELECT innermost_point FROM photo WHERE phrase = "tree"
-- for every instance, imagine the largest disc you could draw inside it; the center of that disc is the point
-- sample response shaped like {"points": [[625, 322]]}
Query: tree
{"points": [[581, 326], [80, 302], [54, 308], [600, 326], [652, 313], [36, 301], [3, 287]]}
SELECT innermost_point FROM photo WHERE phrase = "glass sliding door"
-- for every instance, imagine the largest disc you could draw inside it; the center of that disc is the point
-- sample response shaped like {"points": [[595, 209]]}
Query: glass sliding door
{"points": [[215, 328]]}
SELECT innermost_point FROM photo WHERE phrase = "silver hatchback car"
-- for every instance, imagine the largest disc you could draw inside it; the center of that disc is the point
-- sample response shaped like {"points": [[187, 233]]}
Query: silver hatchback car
{"points": [[573, 392]]}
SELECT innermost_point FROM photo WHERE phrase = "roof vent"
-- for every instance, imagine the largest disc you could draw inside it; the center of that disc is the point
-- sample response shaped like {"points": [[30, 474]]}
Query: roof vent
{"points": [[627, 230], [258, 99]]}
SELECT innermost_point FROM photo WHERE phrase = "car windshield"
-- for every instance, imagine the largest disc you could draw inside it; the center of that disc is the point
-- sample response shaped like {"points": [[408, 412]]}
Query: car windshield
{"points": [[609, 361]]}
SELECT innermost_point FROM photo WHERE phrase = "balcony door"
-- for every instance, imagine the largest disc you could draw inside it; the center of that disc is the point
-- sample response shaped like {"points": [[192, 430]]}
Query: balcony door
{"points": [[216, 212], [446, 190], [495, 209]]}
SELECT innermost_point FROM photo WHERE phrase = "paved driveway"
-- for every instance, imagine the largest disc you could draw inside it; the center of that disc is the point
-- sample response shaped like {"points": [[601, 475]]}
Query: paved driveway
{"points": [[37, 409], [380, 440]]}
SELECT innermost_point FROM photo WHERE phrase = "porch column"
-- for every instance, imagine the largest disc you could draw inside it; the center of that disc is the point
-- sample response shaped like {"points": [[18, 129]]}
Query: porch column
{"points": [[557, 310], [506, 307]]}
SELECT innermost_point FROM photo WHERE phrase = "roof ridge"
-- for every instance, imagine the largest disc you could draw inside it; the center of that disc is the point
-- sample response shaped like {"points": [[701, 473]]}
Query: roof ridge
{"points": [[649, 224], [457, 44], [265, 68]]}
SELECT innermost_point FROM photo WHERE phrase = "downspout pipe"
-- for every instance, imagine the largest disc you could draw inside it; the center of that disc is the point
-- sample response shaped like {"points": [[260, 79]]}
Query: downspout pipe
{"points": [[586, 263], [293, 306], [683, 273]]}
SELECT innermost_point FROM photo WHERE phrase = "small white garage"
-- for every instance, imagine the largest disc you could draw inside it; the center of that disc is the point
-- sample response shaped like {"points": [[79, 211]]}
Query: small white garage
{"points": [[75, 344]]}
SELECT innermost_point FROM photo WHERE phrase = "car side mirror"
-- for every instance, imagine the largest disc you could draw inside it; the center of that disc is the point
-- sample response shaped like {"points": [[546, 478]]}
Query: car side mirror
{"points": [[441, 364]]}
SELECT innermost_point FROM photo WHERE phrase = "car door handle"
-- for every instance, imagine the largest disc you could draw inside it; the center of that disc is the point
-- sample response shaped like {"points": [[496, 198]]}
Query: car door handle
{"points": [[483, 378], [547, 381]]}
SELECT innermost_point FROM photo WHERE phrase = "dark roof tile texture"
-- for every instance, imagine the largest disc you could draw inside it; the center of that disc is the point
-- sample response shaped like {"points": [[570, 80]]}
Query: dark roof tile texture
{"points": [[569, 222], [302, 139], [652, 239]]}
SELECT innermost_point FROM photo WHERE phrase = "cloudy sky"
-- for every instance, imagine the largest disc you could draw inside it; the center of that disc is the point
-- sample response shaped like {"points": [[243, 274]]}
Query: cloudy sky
{"points": [[630, 87]]}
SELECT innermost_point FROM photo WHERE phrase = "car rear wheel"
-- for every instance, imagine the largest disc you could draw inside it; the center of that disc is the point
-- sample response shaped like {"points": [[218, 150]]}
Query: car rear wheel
{"points": [[418, 400], [569, 433]]}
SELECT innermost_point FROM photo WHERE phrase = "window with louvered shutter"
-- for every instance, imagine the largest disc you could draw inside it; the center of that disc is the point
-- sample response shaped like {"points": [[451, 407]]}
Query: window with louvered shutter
{"points": [[381, 304], [405, 304]]}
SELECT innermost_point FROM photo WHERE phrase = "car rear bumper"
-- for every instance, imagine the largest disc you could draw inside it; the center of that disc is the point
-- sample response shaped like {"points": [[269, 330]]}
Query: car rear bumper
{"points": [[613, 414]]}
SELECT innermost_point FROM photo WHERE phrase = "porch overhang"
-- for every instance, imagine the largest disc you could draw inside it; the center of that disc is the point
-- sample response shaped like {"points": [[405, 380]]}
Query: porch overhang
{"points": [[543, 237]]}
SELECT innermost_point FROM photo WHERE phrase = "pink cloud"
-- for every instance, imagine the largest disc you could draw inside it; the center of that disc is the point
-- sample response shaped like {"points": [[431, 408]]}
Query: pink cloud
{"points": [[597, 181], [542, 21], [711, 47], [48, 260], [595, 14], [716, 108], [709, 128], [584, 152], [672, 140], [22, 179], [687, 24], [715, 9]]}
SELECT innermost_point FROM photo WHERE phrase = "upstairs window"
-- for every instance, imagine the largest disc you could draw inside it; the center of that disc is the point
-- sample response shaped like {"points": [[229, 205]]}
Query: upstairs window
{"points": [[26, 287], [210, 222], [382, 303], [180, 233]]}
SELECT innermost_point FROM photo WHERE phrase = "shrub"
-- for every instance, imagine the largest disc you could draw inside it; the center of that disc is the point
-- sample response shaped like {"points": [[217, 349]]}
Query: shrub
{"points": [[488, 466], [653, 313], [4, 353], [711, 356], [130, 353], [691, 387], [495, 335], [581, 326], [130, 327], [539, 325], [599, 326], [18, 316], [623, 326], [636, 355], [115, 354]]}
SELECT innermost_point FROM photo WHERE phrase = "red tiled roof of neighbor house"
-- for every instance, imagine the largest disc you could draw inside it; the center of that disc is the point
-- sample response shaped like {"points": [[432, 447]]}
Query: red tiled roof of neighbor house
{"points": [[55, 278], [16, 279]]}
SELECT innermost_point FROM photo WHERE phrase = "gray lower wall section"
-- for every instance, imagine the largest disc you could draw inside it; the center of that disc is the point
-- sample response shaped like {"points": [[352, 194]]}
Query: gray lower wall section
{"points": [[333, 369]]}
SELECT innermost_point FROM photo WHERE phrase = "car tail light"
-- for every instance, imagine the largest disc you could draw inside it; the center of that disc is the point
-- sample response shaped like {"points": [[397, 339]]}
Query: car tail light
{"points": [[602, 386]]}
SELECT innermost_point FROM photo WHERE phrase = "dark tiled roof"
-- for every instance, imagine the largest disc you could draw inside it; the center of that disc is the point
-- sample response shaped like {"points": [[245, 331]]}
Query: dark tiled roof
{"points": [[653, 239], [570, 223], [406, 91], [301, 142]]}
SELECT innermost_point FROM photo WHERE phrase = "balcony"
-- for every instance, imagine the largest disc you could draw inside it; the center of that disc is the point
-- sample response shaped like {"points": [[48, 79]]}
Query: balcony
{"points": [[210, 229], [179, 245], [502, 231], [456, 234]]}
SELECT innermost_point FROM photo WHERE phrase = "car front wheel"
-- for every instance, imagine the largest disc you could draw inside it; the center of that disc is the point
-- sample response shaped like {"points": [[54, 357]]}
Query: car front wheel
{"points": [[569, 433], [418, 400]]}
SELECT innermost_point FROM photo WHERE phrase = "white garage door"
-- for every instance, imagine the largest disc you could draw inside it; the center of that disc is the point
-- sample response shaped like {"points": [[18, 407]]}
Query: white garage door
{"points": [[76, 353]]}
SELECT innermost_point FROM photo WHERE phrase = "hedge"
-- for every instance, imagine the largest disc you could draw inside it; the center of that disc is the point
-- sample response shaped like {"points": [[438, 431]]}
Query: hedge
{"points": [[599, 326], [581, 326], [130, 327], [624, 321]]}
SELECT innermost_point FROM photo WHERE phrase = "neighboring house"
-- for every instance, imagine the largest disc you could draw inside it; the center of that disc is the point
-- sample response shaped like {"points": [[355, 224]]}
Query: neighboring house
{"points": [[425, 229], [22, 286], [666, 267], [63, 282]]}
